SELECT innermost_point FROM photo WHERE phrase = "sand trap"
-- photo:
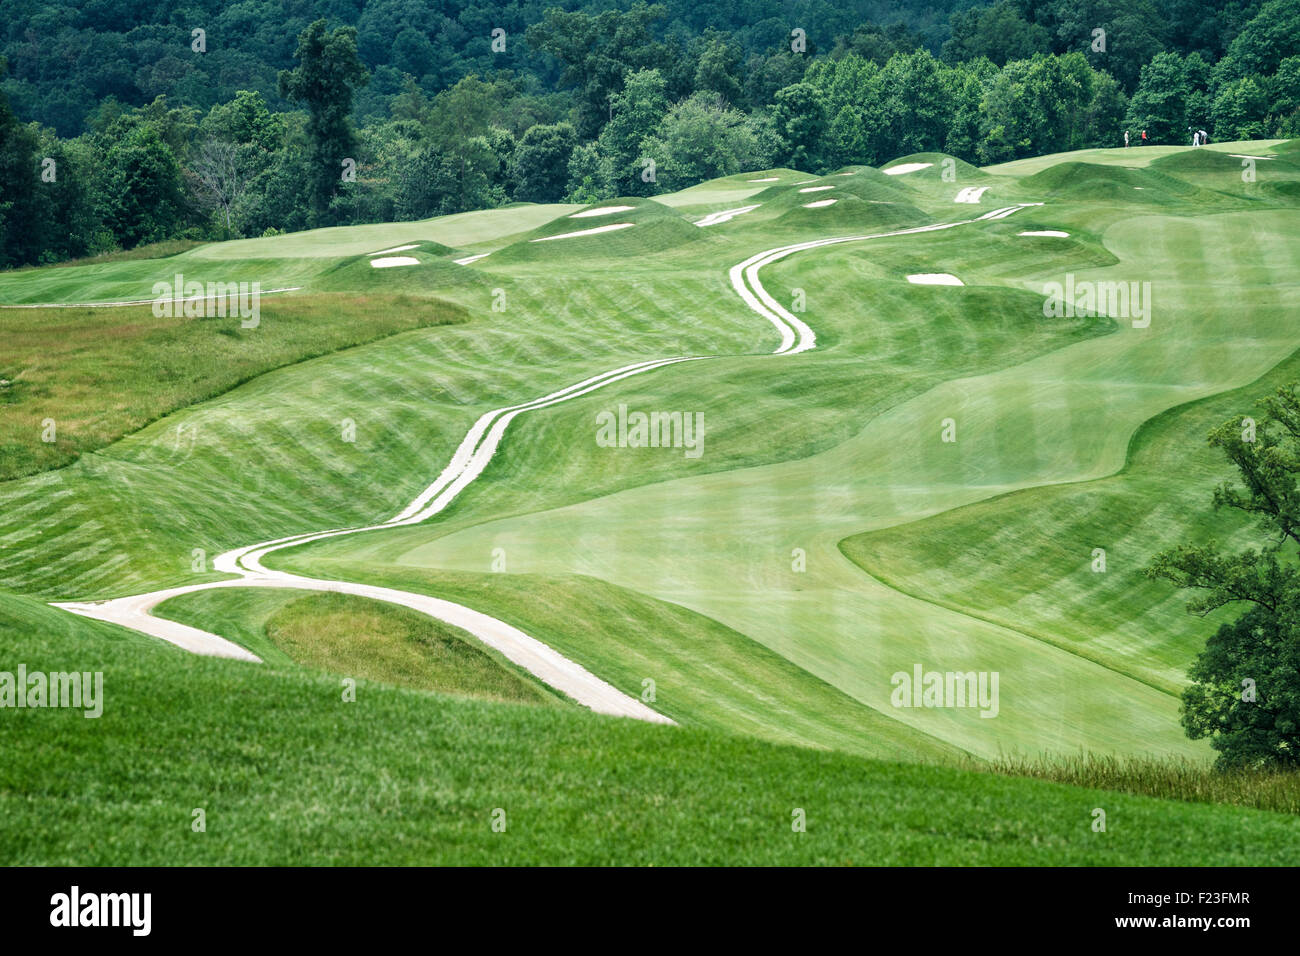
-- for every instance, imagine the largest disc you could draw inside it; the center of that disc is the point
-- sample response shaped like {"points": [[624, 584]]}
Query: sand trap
{"points": [[394, 249], [389, 261], [1248, 156], [602, 211], [1139, 187], [971, 194], [816, 189], [934, 278], [713, 218], [769, 179], [819, 204], [468, 259], [587, 232], [1055, 233], [905, 168]]}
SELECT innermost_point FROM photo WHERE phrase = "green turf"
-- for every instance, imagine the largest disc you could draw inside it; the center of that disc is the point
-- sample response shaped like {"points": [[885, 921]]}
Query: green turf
{"points": [[287, 772], [99, 374], [723, 578], [360, 638], [1025, 560]]}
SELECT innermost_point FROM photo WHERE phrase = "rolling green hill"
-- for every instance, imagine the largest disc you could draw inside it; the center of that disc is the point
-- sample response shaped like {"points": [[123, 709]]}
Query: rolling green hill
{"points": [[825, 538]]}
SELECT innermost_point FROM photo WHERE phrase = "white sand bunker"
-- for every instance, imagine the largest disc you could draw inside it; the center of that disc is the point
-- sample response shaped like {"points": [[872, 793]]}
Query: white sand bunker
{"points": [[1056, 233], [1248, 156], [970, 194], [394, 249], [934, 278], [816, 189], [389, 261], [819, 204], [769, 179], [713, 218], [905, 168], [602, 211], [587, 232], [468, 259]]}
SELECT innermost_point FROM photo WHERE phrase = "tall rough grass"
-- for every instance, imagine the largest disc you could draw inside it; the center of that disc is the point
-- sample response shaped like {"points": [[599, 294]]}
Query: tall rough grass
{"points": [[1170, 779]]}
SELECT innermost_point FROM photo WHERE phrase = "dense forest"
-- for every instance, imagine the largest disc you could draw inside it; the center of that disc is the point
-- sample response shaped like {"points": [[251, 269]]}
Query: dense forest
{"points": [[123, 124]]}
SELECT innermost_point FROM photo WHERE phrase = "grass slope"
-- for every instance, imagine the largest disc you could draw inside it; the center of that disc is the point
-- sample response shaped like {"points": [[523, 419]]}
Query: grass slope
{"points": [[286, 772], [359, 638], [1025, 559], [103, 373], [645, 563]]}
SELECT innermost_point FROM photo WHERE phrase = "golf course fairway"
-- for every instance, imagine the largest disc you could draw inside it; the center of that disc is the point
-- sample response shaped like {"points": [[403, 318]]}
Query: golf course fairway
{"points": [[740, 463]]}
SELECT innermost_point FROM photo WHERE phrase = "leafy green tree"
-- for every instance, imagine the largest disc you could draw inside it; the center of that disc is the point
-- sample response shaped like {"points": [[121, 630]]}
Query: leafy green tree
{"points": [[769, 72], [245, 120], [590, 175], [799, 115], [139, 188], [1134, 33], [719, 69], [999, 33], [1263, 43], [503, 144], [463, 124], [426, 185], [876, 43], [1104, 122], [1038, 106], [411, 103], [598, 52], [1285, 99], [1171, 96], [277, 196], [539, 167], [67, 225], [966, 84], [702, 138], [1241, 110], [1244, 695], [637, 112], [917, 102], [850, 88], [327, 73], [20, 207]]}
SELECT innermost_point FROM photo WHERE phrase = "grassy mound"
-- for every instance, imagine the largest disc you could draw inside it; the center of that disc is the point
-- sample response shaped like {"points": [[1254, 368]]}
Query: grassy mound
{"points": [[1159, 499], [1197, 161], [655, 228], [850, 212], [360, 638], [57, 363], [1091, 182], [965, 174]]}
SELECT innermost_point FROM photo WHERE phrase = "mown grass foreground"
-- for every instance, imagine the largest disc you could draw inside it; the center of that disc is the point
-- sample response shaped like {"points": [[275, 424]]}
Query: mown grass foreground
{"points": [[286, 772]]}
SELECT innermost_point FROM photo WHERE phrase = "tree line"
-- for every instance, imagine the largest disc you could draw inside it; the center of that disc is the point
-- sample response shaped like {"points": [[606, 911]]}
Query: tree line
{"points": [[587, 104]]}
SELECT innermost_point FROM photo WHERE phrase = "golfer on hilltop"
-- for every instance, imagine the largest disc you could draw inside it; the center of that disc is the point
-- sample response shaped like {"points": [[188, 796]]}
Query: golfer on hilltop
{"points": [[1126, 139]]}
